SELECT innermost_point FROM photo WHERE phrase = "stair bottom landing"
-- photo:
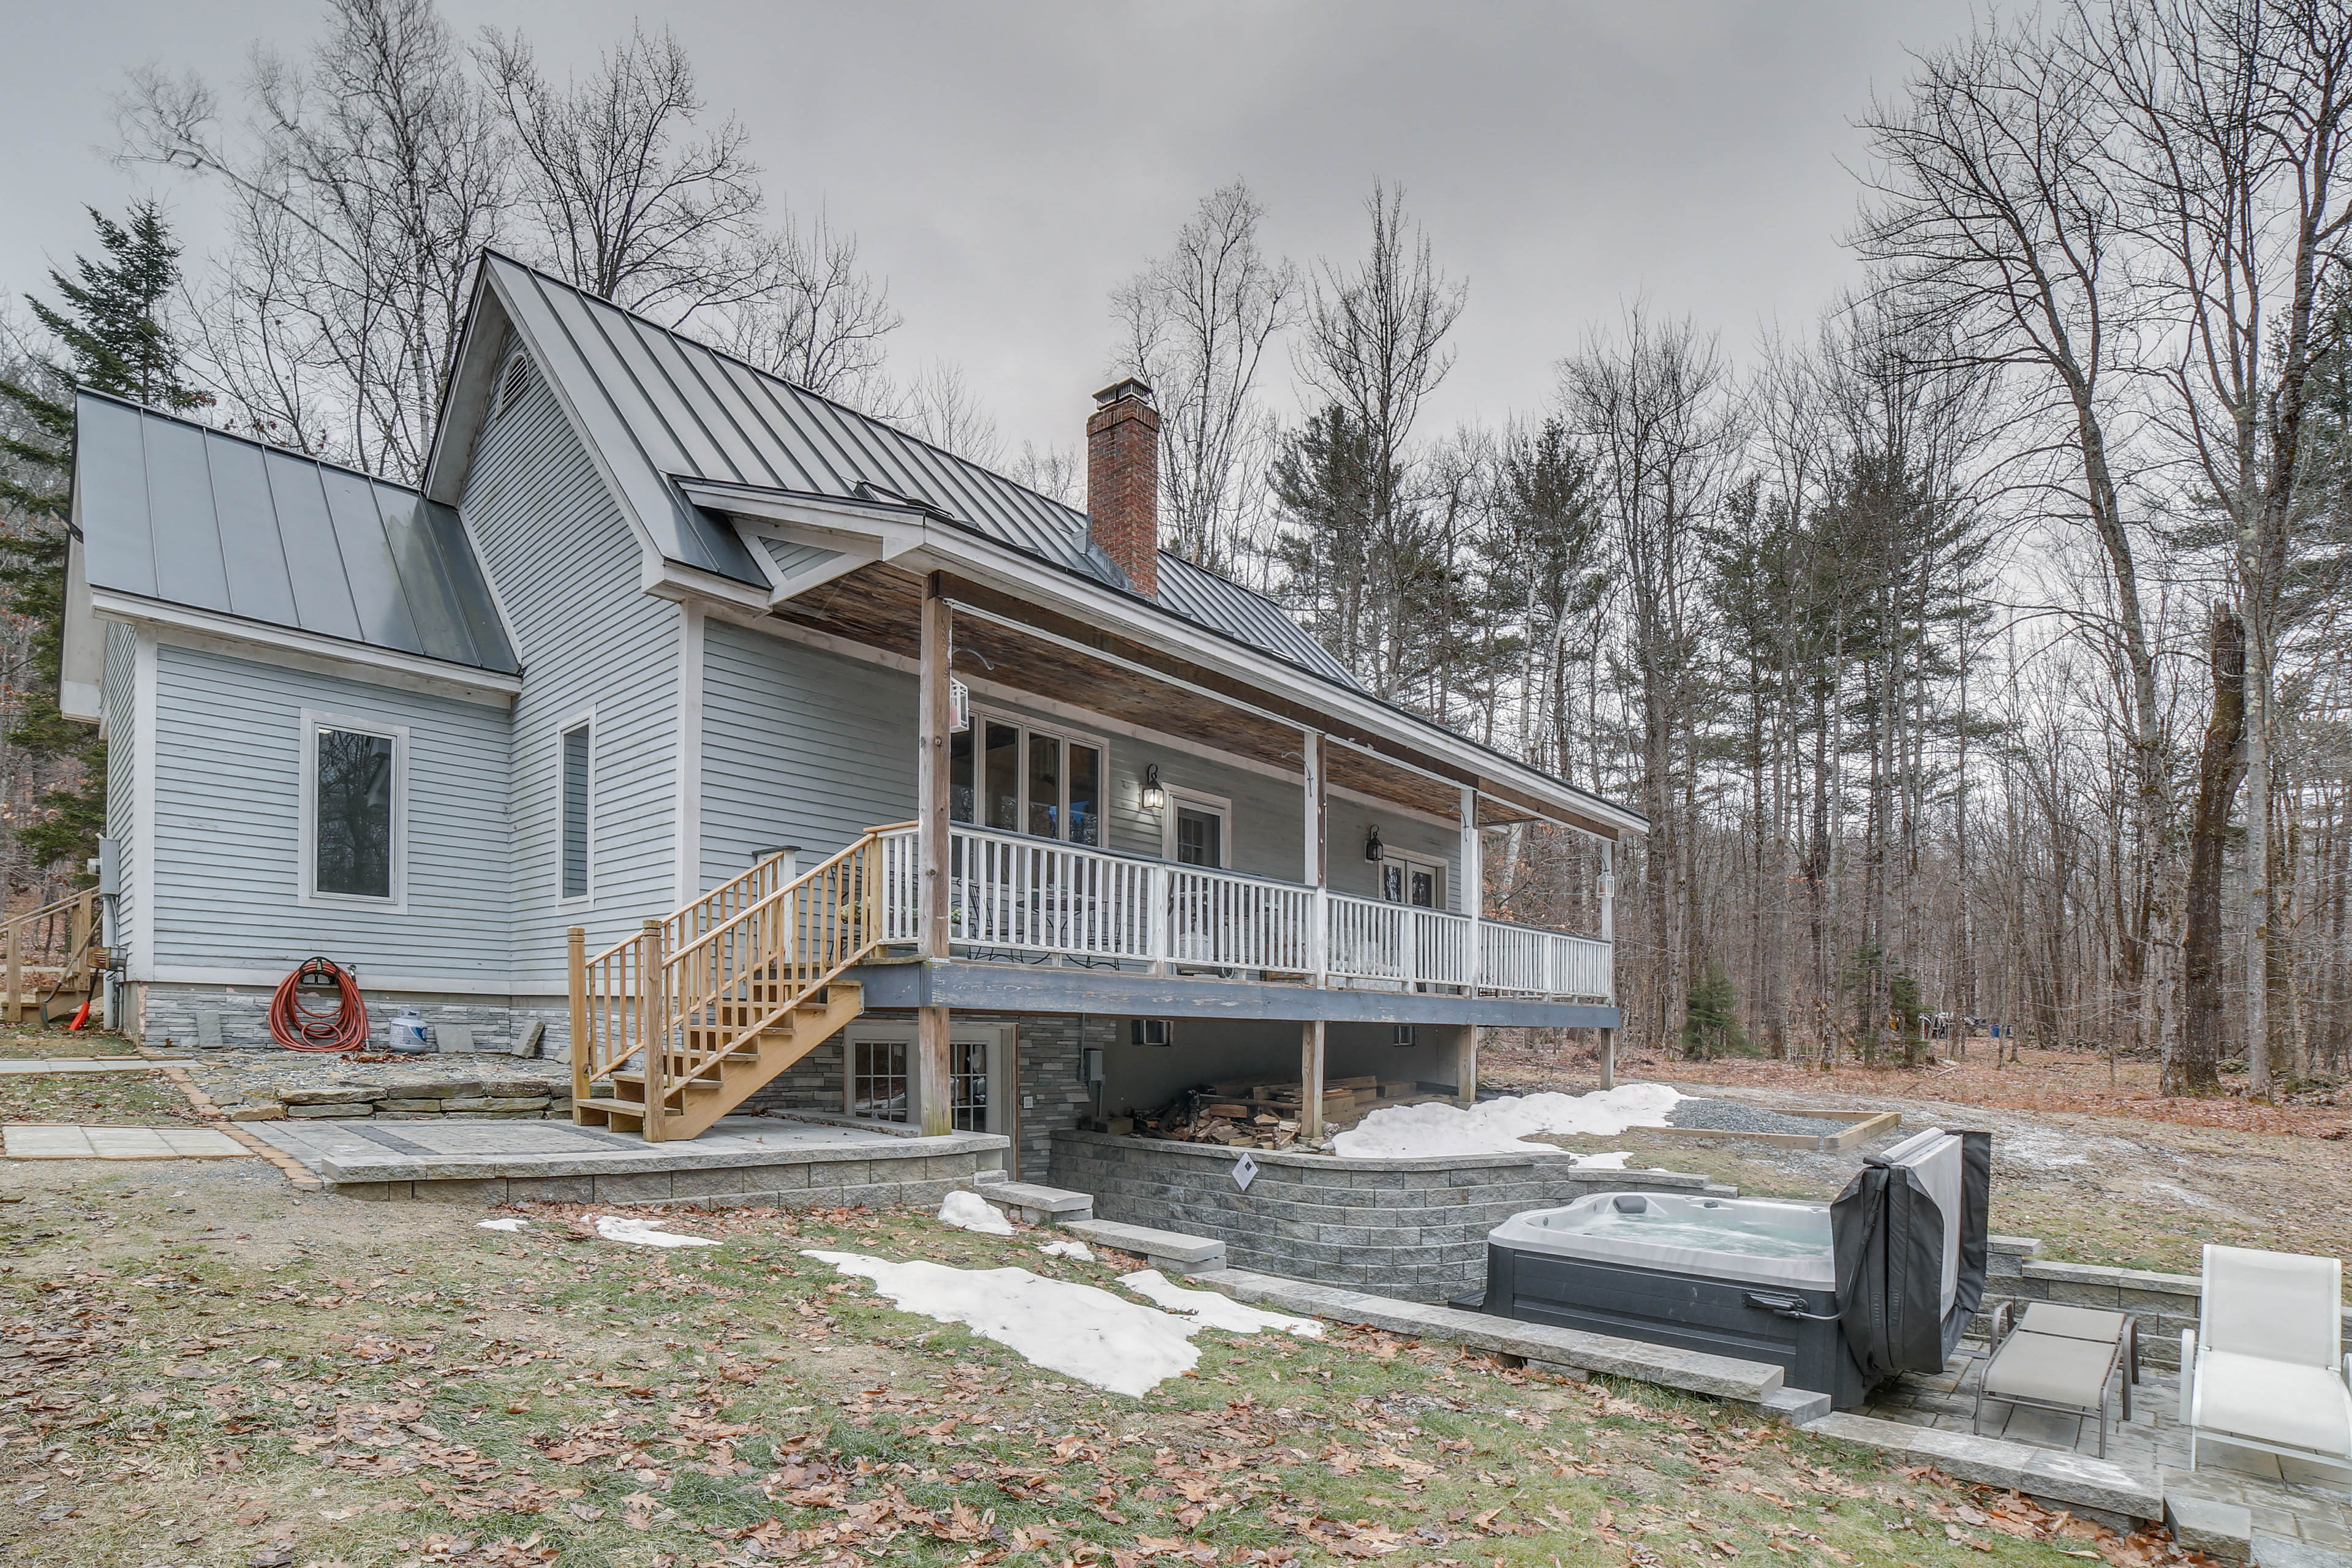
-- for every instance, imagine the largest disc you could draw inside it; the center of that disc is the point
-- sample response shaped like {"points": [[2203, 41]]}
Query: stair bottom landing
{"points": [[744, 1160]]}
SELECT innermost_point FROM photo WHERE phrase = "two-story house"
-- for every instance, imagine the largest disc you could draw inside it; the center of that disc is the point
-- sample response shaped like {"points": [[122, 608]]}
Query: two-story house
{"points": [[681, 705]]}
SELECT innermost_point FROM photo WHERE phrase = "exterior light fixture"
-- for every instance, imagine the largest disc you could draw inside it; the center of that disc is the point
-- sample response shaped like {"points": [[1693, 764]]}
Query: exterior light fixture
{"points": [[1154, 798], [1372, 848]]}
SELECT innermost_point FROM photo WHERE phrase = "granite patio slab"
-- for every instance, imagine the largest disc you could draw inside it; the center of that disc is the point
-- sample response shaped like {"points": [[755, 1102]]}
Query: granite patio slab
{"points": [[40, 1141], [13, 1065]]}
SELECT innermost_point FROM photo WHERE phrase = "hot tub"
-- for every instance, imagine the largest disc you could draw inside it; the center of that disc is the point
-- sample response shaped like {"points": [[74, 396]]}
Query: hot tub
{"points": [[1748, 1277]]}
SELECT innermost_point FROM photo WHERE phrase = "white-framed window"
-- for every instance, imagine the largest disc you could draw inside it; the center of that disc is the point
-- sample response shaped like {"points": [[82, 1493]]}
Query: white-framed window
{"points": [[575, 817], [1415, 879], [354, 812], [1013, 776], [1197, 829]]}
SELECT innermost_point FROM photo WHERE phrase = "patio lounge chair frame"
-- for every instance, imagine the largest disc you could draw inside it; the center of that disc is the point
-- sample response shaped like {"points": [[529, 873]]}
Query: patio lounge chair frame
{"points": [[2195, 1341], [2122, 1353]]}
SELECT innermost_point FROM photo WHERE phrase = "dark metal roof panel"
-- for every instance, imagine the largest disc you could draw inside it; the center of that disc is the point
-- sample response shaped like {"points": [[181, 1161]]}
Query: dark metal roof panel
{"points": [[173, 511], [660, 406]]}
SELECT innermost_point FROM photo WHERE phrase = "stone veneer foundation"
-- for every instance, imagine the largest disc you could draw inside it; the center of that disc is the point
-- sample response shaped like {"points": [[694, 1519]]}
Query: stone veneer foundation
{"points": [[2164, 1304], [173, 1012], [1415, 1229]]}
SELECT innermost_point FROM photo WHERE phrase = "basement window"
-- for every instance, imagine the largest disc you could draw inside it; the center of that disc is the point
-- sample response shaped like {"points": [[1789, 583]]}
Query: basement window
{"points": [[355, 806], [574, 811]]}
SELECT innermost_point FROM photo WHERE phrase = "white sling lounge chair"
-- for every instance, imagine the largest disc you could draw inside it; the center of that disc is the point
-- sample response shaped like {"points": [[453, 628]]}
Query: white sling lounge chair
{"points": [[2264, 1368]]}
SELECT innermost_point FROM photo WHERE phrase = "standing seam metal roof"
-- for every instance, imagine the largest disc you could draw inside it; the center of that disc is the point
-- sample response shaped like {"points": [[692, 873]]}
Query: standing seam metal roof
{"points": [[176, 511], [683, 410]]}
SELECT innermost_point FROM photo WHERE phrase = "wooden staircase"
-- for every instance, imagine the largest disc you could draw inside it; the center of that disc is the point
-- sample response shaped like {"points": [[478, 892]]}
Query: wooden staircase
{"points": [[69, 928], [678, 1025]]}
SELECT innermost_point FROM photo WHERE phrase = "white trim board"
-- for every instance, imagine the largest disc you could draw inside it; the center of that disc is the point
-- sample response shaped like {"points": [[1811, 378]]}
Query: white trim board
{"points": [[492, 985], [686, 876], [143, 797], [305, 651]]}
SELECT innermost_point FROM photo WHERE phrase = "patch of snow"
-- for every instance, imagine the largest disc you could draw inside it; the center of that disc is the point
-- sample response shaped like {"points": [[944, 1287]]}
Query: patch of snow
{"points": [[2040, 1148], [1077, 1249], [509, 1226], [645, 1233], [1079, 1331], [970, 1211], [1613, 1161], [1213, 1311], [1501, 1126]]}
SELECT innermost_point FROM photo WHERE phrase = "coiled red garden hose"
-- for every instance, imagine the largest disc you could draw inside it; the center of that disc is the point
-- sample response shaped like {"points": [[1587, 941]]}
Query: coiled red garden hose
{"points": [[297, 1025]]}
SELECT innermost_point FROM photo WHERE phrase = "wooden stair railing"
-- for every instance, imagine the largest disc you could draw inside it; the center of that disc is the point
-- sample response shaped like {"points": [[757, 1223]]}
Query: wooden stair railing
{"points": [[34, 934], [690, 1017]]}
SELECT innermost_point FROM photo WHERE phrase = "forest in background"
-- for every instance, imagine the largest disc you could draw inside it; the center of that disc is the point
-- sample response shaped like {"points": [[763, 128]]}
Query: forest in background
{"points": [[1974, 653]]}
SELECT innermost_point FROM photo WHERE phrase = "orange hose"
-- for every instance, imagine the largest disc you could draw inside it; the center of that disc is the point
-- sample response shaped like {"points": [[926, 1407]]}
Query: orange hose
{"points": [[295, 1025]]}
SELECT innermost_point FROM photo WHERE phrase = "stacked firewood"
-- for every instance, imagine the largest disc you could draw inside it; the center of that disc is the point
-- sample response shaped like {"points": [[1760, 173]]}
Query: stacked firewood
{"points": [[1265, 1113]]}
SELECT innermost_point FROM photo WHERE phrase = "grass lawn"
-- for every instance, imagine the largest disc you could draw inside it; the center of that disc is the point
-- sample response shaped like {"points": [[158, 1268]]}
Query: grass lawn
{"points": [[95, 1100], [208, 1368], [16, 1041]]}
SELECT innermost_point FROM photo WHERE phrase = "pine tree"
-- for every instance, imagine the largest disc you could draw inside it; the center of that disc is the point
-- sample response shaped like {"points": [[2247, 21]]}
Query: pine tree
{"points": [[1711, 1016], [110, 327]]}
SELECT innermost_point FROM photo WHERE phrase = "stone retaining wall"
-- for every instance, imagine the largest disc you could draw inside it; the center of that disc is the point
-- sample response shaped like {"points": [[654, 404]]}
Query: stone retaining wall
{"points": [[1410, 1227], [424, 1099], [2165, 1304]]}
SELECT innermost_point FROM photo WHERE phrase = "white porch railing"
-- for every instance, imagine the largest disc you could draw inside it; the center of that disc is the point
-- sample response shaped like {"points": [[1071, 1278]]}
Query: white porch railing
{"points": [[1033, 894]]}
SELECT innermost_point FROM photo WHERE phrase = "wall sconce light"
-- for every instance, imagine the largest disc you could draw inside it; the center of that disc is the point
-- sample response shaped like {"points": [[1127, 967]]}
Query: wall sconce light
{"points": [[1372, 848], [1154, 798]]}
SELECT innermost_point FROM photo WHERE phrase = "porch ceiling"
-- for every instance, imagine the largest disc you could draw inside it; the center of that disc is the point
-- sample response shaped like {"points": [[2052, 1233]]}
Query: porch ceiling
{"points": [[879, 605]]}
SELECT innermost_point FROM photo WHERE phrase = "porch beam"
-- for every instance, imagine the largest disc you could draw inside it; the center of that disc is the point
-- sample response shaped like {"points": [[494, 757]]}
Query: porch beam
{"points": [[1077, 636]]}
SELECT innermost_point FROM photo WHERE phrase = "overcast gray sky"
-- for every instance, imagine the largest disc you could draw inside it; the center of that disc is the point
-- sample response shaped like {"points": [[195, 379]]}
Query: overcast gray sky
{"points": [[1005, 166]]}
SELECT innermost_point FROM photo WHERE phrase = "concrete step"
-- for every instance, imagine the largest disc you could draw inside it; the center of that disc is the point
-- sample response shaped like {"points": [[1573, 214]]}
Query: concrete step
{"points": [[1033, 1205], [1164, 1249]]}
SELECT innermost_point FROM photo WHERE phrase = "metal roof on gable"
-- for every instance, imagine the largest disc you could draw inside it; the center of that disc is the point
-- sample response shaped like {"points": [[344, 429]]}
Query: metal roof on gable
{"points": [[173, 511], [660, 406]]}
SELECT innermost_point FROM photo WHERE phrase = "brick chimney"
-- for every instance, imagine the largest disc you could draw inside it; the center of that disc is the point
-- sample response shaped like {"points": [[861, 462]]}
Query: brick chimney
{"points": [[1123, 481]]}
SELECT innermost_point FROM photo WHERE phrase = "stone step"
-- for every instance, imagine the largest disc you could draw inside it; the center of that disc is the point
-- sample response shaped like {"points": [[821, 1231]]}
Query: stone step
{"points": [[1033, 1205], [1165, 1251], [2096, 1488]]}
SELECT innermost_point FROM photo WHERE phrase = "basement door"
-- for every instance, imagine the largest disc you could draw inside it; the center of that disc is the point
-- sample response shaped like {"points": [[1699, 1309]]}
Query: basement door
{"points": [[882, 1079]]}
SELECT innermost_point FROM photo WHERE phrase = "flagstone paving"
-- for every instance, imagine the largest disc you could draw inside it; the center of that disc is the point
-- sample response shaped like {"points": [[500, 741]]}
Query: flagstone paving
{"points": [[9, 1065], [38, 1142]]}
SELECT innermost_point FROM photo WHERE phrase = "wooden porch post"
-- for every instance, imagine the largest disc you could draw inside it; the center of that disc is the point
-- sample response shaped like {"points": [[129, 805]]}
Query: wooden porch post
{"points": [[1314, 854], [1609, 1058], [1473, 866], [1310, 1079], [932, 1096]]}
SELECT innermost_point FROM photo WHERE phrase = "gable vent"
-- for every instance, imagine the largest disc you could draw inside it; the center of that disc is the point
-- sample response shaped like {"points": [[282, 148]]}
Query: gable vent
{"points": [[512, 384]]}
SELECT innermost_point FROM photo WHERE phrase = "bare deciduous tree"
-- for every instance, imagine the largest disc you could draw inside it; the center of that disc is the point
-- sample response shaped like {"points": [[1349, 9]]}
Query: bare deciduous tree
{"points": [[628, 196], [1196, 324], [363, 182]]}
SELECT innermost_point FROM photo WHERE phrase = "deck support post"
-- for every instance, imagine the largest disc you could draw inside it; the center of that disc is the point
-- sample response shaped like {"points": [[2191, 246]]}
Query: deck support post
{"points": [[1609, 1058], [1461, 1055], [933, 1101], [1310, 1079], [575, 963]]}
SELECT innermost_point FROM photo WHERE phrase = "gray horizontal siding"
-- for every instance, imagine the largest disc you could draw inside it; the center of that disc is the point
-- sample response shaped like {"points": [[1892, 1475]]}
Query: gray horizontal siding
{"points": [[798, 747], [228, 769], [566, 564]]}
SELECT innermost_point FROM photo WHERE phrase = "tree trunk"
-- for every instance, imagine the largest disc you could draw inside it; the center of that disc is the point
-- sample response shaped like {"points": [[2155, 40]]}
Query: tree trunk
{"points": [[2194, 1064]]}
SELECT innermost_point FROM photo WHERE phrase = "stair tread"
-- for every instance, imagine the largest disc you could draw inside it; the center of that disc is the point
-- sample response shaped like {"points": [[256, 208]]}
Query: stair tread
{"points": [[626, 1107]]}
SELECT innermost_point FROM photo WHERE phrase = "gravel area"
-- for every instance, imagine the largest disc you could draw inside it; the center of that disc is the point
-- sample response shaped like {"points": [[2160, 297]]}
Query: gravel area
{"points": [[237, 1078], [1731, 1116]]}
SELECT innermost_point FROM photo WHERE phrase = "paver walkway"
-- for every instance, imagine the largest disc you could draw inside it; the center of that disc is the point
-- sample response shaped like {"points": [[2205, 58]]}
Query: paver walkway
{"points": [[2286, 1497], [73, 1064], [36, 1141]]}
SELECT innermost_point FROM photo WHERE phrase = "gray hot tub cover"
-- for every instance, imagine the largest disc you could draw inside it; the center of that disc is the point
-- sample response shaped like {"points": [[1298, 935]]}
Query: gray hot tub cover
{"points": [[1910, 1270]]}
